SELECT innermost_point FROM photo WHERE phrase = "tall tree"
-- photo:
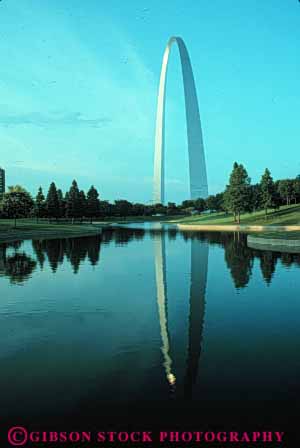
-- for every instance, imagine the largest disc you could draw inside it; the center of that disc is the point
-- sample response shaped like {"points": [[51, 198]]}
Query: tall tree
{"points": [[52, 202], [285, 189], [92, 203], [73, 202], [254, 198], [62, 203], [238, 192], [267, 189], [40, 205], [83, 203], [297, 188]]}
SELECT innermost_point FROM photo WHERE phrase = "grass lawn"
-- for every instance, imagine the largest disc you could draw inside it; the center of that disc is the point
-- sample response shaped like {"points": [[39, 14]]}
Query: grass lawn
{"points": [[287, 215]]}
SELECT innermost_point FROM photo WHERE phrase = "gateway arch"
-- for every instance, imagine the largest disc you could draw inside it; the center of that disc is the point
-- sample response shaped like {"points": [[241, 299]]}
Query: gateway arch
{"points": [[197, 167]]}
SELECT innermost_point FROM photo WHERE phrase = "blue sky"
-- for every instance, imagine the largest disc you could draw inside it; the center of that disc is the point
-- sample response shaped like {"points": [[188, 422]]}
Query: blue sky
{"points": [[79, 80]]}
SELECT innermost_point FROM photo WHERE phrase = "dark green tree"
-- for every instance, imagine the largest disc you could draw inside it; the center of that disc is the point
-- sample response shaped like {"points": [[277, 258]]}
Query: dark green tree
{"points": [[171, 208], [52, 202], [212, 203], [188, 203], [39, 205], [297, 188], [17, 203], [105, 209], [73, 206], [62, 203], [200, 204], [138, 209], [83, 203], [267, 189], [123, 208], [237, 194], [285, 189], [254, 198], [92, 203], [219, 202]]}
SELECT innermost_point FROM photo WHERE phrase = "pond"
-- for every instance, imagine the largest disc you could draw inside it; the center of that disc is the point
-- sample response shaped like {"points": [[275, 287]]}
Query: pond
{"points": [[181, 327]]}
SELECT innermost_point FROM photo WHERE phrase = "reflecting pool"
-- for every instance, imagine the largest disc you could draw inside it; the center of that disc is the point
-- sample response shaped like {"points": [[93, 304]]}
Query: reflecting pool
{"points": [[149, 319]]}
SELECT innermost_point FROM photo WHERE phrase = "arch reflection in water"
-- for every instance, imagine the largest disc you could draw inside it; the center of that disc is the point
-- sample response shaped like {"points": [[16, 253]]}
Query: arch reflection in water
{"points": [[198, 279]]}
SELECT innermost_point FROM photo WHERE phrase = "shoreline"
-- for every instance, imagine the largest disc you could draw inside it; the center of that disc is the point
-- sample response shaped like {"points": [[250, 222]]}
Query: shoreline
{"points": [[20, 235], [238, 228]]}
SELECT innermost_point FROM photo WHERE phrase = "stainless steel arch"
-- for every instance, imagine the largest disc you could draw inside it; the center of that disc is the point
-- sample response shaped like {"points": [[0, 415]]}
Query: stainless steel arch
{"points": [[197, 167]]}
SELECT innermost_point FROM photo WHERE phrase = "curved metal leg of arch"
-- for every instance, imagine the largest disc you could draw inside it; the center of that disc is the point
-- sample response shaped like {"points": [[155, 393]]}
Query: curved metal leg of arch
{"points": [[197, 167]]}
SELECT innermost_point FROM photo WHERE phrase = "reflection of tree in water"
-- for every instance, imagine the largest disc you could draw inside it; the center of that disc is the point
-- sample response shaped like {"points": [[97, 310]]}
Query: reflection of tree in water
{"points": [[172, 234], [93, 249], [297, 259], [75, 250], [239, 260], [287, 259], [268, 261], [124, 236], [19, 267], [4, 257], [53, 249], [238, 257], [37, 246], [55, 253]]}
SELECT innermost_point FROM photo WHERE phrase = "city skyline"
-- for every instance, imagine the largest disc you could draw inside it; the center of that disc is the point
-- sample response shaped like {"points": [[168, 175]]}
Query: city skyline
{"points": [[98, 124]]}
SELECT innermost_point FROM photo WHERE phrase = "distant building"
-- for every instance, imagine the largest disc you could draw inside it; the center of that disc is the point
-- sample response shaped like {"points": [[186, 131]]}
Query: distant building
{"points": [[2, 181]]}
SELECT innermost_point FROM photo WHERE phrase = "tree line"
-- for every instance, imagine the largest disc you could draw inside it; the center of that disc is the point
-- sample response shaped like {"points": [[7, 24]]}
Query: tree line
{"points": [[239, 196], [74, 204]]}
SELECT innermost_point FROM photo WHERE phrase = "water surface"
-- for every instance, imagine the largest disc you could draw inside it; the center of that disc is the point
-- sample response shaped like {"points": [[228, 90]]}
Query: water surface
{"points": [[151, 318]]}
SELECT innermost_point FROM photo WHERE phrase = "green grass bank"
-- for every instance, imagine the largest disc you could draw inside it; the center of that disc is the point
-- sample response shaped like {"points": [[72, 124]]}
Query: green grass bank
{"points": [[286, 216]]}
